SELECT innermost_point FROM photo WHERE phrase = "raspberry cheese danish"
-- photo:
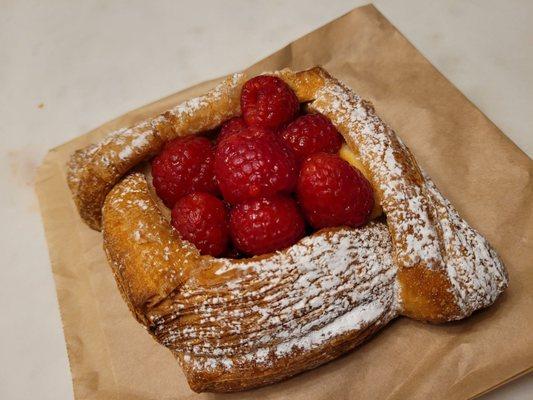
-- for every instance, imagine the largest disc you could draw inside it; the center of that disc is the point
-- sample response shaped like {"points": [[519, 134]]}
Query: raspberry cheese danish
{"points": [[277, 223]]}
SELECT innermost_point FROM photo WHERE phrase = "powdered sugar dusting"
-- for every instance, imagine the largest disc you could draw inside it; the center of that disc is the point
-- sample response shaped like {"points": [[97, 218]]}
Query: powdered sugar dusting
{"points": [[185, 119], [153, 247], [403, 199], [476, 273], [327, 285], [425, 227]]}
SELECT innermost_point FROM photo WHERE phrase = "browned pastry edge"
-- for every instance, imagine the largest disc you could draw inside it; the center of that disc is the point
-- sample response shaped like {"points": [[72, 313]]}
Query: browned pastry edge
{"points": [[426, 294], [299, 363]]}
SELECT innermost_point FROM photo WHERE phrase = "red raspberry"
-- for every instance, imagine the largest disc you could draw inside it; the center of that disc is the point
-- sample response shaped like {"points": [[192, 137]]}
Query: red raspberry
{"points": [[254, 163], [333, 193], [201, 218], [265, 225], [268, 102], [231, 127], [185, 165], [311, 134]]}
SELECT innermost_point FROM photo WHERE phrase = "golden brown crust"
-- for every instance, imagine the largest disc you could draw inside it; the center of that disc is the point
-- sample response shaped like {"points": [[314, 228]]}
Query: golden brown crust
{"points": [[147, 274], [238, 324], [306, 83], [426, 294]]}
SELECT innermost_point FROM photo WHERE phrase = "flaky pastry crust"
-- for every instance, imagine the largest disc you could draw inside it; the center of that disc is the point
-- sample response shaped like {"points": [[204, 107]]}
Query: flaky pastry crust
{"points": [[239, 324]]}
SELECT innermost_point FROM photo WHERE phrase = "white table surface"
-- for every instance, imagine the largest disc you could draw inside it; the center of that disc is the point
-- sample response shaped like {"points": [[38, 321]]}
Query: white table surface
{"points": [[67, 67]]}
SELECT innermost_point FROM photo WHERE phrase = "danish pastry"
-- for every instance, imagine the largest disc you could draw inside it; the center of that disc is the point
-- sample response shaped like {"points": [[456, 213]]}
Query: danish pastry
{"points": [[236, 324]]}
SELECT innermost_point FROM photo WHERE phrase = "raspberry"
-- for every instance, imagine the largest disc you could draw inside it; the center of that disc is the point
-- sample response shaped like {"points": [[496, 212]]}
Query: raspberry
{"points": [[265, 225], [231, 127], [254, 163], [267, 102], [185, 165], [201, 218], [311, 134], [333, 193]]}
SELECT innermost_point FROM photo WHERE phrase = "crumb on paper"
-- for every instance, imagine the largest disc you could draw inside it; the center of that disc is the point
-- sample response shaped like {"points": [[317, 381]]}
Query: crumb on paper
{"points": [[40, 105]]}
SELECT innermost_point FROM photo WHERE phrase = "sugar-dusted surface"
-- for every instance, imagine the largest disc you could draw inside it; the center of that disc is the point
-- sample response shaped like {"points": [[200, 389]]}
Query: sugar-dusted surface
{"points": [[394, 174], [160, 260], [425, 228], [328, 284], [209, 111], [475, 271]]}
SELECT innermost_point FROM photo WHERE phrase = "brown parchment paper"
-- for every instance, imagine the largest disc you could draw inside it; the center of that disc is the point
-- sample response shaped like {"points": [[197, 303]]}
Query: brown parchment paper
{"points": [[485, 175]]}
